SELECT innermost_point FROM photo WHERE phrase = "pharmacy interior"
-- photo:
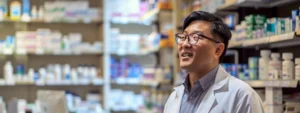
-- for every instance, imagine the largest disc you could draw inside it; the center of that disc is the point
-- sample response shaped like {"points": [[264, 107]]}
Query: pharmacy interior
{"points": [[101, 56]]}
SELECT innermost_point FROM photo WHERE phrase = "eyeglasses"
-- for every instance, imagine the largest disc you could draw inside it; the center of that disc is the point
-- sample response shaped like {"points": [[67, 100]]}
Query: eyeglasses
{"points": [[192, 38]]}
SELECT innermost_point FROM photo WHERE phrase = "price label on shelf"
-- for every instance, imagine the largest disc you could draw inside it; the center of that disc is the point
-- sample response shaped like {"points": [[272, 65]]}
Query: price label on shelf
{"points": [[285, 83], [66, 82], [2, 83], [84, 82], [40, 83], [97, 82], [53, 82]]}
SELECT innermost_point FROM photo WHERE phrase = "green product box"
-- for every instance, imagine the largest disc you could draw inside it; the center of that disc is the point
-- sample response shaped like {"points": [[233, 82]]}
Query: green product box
{"points": [[250, 19], [260, 19]]}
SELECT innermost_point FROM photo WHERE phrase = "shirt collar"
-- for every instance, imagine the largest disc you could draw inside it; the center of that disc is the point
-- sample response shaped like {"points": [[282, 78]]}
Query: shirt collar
{"points": [[204, 81]]}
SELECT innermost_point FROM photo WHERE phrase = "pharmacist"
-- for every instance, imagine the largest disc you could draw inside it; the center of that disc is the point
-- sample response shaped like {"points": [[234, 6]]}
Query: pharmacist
{"points": [[208, 88]]}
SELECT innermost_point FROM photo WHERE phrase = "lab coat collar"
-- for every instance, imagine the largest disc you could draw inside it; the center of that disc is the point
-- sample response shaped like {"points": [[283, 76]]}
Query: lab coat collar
{"points": [[209, 101]]}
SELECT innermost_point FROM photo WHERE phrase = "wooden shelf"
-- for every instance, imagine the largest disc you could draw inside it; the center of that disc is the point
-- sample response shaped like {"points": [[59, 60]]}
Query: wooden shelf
{"points": [[281, 40], [44, 22], [95, 82], [273, 83], [253, 3]]}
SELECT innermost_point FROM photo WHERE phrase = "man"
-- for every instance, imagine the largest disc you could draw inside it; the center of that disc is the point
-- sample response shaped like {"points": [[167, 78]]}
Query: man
{"points": [[208, 88]]}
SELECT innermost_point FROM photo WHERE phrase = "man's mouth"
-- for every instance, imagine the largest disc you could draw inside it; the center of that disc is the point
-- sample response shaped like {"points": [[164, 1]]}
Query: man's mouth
{"points": [[187, 55]]}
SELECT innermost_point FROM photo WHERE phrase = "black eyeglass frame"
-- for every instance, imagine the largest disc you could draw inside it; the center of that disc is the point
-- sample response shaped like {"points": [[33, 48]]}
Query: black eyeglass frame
{"points": [[200, 36]]}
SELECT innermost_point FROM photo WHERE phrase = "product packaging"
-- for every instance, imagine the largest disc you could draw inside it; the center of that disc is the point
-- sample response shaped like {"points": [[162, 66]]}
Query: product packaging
{"points": [[287, 66], [273, 96]]}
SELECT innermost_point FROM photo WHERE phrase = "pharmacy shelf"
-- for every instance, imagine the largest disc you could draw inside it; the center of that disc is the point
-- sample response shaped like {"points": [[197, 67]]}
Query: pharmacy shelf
{"points": [[275, 41], [56, 54], [155, 50], [95, 82], [55, 22], [253, 3], [135, 82], [273, 83], [67, 54]]}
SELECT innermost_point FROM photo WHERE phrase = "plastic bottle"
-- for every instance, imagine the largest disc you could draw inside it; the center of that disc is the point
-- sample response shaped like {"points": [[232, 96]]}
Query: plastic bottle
{"points": [[67, 72], [58, 72], [297, 69], [31, 74], [264, 64], [26, 10], [287, 66], [8, 72], [15, 10], [275, 66], [3, 8], [41, 13], [34, 13]]}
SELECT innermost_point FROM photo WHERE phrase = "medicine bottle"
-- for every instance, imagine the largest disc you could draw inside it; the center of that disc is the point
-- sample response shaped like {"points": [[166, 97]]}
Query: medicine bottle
{"points": [[287, 66], [264, 64], [275, 67], [297, 69]]}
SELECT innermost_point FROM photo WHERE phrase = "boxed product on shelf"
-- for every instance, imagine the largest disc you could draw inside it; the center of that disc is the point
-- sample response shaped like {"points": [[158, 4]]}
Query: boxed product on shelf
{"points": [[70, 11], [46, 41], [133, 44], [52, 74], [148, 100], [125, 72]]}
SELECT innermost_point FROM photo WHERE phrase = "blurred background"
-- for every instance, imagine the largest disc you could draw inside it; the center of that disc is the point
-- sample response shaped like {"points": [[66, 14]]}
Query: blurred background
{"points": [[119, 56]]}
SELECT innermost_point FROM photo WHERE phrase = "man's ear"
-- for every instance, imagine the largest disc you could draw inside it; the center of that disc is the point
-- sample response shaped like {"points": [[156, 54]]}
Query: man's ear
{"points": [[220, 49]]}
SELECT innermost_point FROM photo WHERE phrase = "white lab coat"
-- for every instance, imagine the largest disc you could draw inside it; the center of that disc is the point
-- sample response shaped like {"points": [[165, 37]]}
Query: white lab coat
{"points": [[226, 95]]}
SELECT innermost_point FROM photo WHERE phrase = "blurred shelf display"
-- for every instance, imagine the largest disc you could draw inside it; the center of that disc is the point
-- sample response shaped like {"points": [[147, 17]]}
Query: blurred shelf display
{"points": [[148, 100], [96, 82], [58, 22], [67, 101], [43, 41], [260, 31], [52, 74], [273, 83], [70, 12], [214, 6]]}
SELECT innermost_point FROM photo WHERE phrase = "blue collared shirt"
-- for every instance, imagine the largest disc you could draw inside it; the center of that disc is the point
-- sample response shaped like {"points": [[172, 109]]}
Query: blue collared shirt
{"points": [[192, 98]]}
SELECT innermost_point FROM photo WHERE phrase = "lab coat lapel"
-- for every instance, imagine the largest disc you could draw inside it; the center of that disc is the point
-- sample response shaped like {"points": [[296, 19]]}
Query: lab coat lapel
{"points": [[210, 101], [177, 100]]}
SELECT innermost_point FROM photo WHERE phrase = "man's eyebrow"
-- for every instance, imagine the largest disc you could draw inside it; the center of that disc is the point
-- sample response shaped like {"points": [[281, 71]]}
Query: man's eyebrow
{"points": [[193, 32]]}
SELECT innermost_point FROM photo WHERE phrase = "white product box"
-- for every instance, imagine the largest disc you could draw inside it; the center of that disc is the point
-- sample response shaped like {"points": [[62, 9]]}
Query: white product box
{"points": [[273, 96], [292, 107], [274, 109]]}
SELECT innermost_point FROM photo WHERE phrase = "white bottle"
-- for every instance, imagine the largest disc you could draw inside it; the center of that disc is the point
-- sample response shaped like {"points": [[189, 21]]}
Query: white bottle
{"points": [[31, 74], [287, 66], [58, 72], [74, 75], [41, 13], [34, 14], [297, 69], [93, 72], [264, 64], [8, 72], [67, 72], [274, 67]]}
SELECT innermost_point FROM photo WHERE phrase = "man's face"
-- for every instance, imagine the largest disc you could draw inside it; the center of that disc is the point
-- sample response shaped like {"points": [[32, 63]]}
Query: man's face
{"points": [[201, 54]]}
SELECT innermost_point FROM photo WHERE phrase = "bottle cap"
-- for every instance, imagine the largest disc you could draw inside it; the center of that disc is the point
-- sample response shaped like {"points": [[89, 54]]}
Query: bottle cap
{"points": [[297, 60], [287, 56], [275, 55], [265, 53]]}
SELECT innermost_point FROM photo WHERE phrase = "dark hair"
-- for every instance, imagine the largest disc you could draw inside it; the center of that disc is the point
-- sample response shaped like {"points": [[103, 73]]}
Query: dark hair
{"points": [[218, 27]]}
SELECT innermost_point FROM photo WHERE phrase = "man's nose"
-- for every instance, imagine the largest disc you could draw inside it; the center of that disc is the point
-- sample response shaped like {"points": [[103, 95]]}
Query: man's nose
{"points": [[186, 44]]}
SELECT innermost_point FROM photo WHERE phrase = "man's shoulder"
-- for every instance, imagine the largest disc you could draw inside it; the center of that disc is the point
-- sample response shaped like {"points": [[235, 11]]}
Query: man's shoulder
{"points": [[239, 86]]}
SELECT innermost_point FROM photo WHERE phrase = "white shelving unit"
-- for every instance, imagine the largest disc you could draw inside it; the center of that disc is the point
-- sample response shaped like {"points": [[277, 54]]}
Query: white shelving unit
{"points": [[273, 83]]}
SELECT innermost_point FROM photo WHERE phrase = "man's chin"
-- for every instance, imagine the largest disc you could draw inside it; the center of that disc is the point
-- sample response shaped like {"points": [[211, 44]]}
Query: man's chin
{"points": [[185, 66]]}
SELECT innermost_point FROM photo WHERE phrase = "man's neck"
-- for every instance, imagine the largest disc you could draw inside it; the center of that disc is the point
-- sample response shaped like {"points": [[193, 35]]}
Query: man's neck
{"points": [[197, 75]]}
